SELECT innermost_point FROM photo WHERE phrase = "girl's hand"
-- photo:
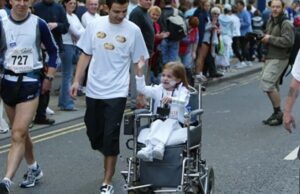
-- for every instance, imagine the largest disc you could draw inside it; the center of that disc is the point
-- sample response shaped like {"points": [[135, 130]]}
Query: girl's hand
{"points": [[166, 100], [140, 67]]}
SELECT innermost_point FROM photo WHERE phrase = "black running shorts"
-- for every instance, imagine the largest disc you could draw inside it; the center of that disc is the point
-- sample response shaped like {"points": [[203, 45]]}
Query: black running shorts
{"points": [[27, 91], [103, 122]]}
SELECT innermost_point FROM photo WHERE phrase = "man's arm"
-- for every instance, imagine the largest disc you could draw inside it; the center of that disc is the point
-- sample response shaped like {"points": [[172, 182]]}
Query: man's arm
{"points": [[52, 50], [287, 38], [82, 64], [3, 46], [289, 121], [63, 24]]}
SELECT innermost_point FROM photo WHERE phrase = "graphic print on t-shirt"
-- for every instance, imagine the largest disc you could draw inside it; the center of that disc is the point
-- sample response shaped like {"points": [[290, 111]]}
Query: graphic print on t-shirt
{"points": [[101, 35]]}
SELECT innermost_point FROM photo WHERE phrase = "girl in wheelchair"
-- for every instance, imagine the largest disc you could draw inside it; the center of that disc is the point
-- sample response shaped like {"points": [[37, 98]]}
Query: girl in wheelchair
{"points": [[170, 100]]}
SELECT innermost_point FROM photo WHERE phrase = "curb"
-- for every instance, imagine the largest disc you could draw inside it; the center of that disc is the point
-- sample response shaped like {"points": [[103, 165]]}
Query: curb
{"points": [[234, 76]]}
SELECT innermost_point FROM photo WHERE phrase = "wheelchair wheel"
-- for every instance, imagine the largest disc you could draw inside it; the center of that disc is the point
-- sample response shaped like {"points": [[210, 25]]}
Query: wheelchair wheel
{"points": [[211, 181], [207, 184]]}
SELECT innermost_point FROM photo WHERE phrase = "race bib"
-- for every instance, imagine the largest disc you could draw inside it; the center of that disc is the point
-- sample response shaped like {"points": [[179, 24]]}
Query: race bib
{"points": [[174, 112], [20, 60]]}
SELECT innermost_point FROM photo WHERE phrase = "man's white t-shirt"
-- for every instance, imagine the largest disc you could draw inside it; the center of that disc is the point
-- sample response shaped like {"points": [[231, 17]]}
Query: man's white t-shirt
{"points": [[296, 67], [113, 48], [87, 18]]}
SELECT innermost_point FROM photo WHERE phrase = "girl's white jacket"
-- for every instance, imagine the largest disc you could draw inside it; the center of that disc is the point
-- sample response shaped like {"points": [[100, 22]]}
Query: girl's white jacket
{"points": [[180, 97]]}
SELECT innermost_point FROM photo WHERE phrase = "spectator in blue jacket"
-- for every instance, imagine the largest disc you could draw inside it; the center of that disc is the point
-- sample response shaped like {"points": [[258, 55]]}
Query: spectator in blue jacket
{"points": [[267, 13], [245, 19]]}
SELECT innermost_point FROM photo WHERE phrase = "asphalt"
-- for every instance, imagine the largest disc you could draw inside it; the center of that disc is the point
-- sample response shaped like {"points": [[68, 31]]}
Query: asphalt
{"points": [[66, 116]]}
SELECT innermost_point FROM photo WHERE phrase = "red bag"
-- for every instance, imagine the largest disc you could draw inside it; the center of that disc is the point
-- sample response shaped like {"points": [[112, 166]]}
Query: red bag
{"points": [[297, 21]]}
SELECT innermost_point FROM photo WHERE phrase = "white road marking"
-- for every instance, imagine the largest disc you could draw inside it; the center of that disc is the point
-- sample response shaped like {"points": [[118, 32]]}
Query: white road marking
{"points": [[293, 155]]}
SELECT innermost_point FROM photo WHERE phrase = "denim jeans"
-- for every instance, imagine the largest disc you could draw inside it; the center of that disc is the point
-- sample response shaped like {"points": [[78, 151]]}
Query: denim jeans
{"points": [[169, 50], [67, 67]]}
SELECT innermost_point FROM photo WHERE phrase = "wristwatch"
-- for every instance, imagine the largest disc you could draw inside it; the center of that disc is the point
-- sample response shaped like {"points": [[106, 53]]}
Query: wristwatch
{"points": [[50, 78]]}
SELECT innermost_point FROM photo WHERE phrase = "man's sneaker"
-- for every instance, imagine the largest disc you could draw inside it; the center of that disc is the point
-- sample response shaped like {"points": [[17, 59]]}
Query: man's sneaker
{"points": [[106, 189], [4, 130], [201, 77], [274, 120], [4, 187], [240, 65], [158, 152], [277, 120], [266, 122], [145, 154], [31, 177], [44, 121]]}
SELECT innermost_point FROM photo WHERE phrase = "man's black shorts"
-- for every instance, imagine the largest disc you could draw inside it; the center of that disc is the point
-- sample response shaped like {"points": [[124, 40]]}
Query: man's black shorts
{"points": [[103, 119], [27, 91]]}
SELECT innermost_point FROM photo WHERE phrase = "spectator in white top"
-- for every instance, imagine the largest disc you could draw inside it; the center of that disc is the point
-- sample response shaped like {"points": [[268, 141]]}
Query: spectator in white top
{"points": [[70, 56], [227, 25], [91, 14]]}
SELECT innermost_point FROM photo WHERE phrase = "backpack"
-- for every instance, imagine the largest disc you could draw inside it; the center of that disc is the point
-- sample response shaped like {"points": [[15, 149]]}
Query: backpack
{"points": [[293, 55], [176, 26]]}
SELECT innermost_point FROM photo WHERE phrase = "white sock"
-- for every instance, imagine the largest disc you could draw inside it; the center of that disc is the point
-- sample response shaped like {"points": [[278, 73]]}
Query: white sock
{"points": [[7, 180], [33, 166]]}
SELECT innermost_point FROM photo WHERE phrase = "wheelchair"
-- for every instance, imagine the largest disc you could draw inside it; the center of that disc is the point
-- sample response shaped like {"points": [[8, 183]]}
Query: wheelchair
{"points": [[182, 169]]}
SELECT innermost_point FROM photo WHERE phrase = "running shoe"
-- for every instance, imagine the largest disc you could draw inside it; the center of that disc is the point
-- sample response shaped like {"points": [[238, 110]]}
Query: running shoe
{"points": [[106, 189], [201, 77], [4, 187], [31, 177]]}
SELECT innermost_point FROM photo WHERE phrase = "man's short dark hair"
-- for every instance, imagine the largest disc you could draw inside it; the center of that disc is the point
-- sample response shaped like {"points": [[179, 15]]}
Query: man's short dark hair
{"points": [[110, 2], [241, 2], [282, 3]]}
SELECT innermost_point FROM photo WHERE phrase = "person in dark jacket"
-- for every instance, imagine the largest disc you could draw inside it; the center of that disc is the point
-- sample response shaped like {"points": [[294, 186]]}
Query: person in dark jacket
{"points": [[55, 16]]}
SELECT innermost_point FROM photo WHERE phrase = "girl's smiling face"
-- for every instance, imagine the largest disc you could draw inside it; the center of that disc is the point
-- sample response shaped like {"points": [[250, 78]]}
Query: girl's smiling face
{"points": [[168, 80]]}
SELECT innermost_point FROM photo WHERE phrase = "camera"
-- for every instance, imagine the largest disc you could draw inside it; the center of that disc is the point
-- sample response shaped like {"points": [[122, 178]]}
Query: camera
{"points": [[163, 111], [255, 35]]}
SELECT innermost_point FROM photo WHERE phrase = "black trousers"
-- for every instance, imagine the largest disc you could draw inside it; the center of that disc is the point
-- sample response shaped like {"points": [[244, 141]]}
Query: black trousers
{"points": [[241, 49], [209, 65], [43, 104]]}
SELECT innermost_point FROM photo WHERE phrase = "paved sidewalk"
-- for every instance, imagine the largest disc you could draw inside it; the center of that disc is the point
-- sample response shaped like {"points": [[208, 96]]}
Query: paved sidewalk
{"points": [[63, 116]]}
